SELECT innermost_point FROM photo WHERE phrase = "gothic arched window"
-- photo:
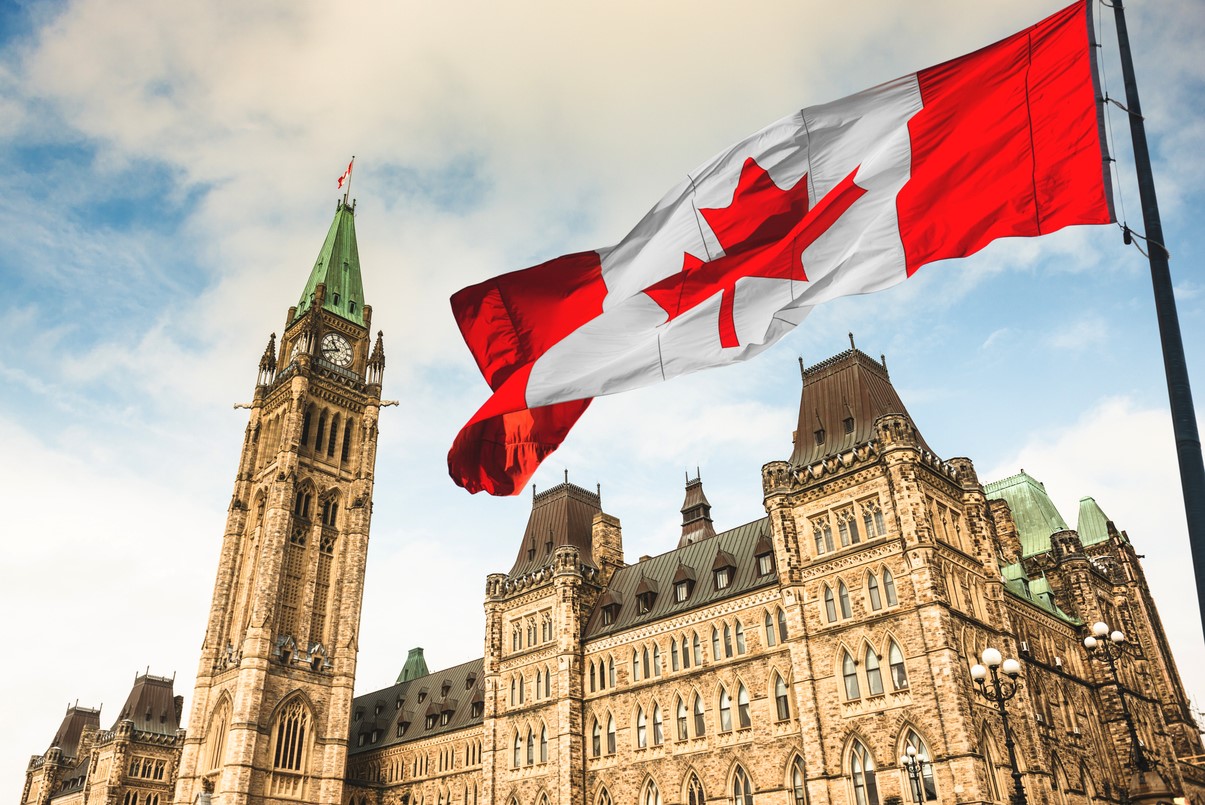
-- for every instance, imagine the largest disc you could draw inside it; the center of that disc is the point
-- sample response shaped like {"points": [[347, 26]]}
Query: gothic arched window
{"points": [[742, 788], [290, 748], [651, 794], [843, 597], [694, 791], [642, 735], [700, 724], [596, 739], [874, 677], [927, 782], [782, 703], [889, 588], [770, 634], [742, 707], [895, 662], [861, 772], [798, 793], [610, 735], [872, 591], [544, 744], [849, 672], [725, 710]]}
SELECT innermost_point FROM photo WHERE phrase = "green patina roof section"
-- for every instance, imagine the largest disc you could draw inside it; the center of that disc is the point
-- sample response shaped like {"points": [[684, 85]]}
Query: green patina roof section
{"points": [[1033, 511], [338, 266], [1092, 525], [1035, 591], [416, 666]]}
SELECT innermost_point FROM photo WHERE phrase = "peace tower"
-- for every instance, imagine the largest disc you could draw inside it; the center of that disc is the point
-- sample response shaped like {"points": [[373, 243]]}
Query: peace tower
{"points": [[274, 687]]}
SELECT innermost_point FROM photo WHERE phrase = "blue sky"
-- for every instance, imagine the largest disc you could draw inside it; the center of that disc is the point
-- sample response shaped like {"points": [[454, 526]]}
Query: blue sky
{"points": [[170, 179]]}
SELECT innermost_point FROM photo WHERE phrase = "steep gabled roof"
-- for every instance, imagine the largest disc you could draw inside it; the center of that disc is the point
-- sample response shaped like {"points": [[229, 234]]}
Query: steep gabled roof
{"points": [[562, 515], [77, 719], [692, 562], [338, 267], [1091, 523], [151, 705], [1032, 509], [465, 685], [841, 399], [696, 514], [416, 666]]}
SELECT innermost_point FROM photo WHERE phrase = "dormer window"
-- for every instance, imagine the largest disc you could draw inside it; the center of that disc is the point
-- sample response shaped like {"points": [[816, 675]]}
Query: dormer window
{"points": [[763, 554], [336, 298], [848, 422], [646, 595], [376, 711], [444, 689], [723, 570], [398, 704], [351, 306], [431, 719], [477, 709], [401, 728], [684, 583], [445, 717], [609, 614], [820, 436], [422, 694], [359, 714], [376, 734]]}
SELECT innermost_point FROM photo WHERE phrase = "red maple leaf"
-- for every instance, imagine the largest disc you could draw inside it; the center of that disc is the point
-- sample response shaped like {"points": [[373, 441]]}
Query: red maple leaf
{"points": [[763, 232]]}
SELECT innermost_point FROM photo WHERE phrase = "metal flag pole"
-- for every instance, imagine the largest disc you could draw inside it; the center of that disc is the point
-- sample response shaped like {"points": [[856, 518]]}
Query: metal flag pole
{"points": [[1184, 421]]}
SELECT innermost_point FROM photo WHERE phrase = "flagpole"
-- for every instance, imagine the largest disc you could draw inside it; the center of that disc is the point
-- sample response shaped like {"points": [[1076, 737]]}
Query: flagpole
{"points": [[1184, 421], [350, 170]]}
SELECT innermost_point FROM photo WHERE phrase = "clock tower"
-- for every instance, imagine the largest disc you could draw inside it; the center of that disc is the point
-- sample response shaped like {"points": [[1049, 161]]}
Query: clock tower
{"points": [[271, 709]]}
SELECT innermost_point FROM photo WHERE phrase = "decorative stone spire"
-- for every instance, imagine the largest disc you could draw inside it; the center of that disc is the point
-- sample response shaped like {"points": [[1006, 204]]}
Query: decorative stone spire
{"points": [[267, 363], [376, 361]]}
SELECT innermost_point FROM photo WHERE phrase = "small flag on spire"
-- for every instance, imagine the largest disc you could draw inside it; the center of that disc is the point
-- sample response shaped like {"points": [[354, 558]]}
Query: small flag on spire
{"points": [[347, 173]]}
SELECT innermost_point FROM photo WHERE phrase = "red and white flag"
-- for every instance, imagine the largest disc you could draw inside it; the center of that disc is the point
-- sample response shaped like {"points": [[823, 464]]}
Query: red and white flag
{"points": [[346, 174], [843, 198]]}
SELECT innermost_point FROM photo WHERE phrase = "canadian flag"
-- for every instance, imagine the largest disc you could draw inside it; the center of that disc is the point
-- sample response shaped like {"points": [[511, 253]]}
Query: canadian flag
{"points": [[346, 174], [843, 198]]}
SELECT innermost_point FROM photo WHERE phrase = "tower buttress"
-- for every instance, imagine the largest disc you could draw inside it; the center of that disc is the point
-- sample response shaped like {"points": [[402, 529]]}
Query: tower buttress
{"points": [[274, 687]]}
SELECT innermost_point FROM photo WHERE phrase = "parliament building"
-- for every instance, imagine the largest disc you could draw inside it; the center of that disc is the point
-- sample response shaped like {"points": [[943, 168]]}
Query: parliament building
{"points": [[819, 655]]}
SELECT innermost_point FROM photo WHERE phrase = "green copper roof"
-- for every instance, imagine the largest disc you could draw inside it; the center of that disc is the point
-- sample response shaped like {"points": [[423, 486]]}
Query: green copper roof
{"points": [[338, 266], [415, 667], [1092, 524], [1033, 511], [1035, 591]]}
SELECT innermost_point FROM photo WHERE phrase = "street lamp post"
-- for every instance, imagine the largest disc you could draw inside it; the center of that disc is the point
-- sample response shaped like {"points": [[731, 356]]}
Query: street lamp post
{"points": [[1105, 645], [1000, 691], [914, 764]]}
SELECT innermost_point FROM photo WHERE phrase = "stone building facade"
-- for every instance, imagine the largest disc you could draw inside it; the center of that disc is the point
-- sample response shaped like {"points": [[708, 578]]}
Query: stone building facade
{"points": [[793, 659]]}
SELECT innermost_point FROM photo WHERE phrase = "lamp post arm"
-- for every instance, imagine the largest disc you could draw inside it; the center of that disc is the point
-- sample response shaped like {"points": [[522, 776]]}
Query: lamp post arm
{"points": [[1141, 762], [1001, 696]]}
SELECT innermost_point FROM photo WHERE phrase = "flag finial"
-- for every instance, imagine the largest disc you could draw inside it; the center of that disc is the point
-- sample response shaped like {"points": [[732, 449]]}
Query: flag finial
{"points": [[851, 341]]}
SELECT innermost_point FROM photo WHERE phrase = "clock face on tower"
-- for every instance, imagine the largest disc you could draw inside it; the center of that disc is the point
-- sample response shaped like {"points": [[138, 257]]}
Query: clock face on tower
{"points": [[336, 349]]}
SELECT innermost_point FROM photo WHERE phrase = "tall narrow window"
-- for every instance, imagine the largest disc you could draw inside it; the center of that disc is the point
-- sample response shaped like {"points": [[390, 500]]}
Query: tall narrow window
{"points": [[656, 659], [547, 684], [604, 798], [610, 735], [321, 432], [725, 711], [872, 592], [644, 662], [651, 795], [544, 744], [830, 605], [742, 788], [215, 738], [696, 650], [889, 588], [334, 437], [673, 655], [994, 789], [635, 666], [642, 735], [658, 731], [843, 597], [771, 640], [681, 720], [290, 754], [611, 672], [927, 784], [861, 768], [849, 672], [305, 426], [782, 625], [592, 678], [596, 739], [782, 704], [700, 724], [742, 707], [798, 794], [895, 661], [715, 644], [740, 638], [727, 640], [346, 441], [874, 677], [517, 754], [694, 791], [531, 747]]}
